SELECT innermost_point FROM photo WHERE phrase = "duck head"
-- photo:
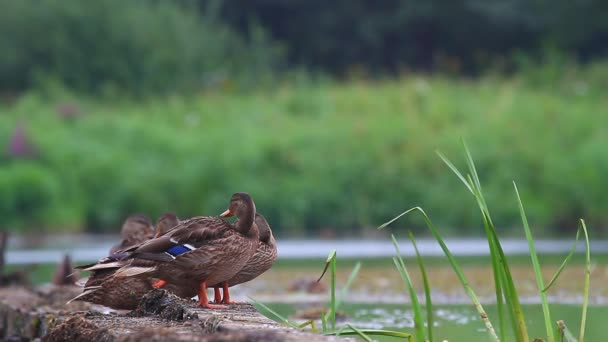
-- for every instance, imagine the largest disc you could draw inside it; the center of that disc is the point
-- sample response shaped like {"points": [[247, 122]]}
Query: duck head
{"points": [[165, 222], [137, 228], [242, 206]]}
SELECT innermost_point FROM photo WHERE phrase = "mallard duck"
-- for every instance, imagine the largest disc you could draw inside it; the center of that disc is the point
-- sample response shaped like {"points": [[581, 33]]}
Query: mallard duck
{"points": [[198, 251], [124, 293], [260, 262], [136, 229], [165, 222]]}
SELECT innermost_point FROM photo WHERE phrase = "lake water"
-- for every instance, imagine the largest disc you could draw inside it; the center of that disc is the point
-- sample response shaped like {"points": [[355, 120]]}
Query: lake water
{"points": [[90, 248], [461, 322]]}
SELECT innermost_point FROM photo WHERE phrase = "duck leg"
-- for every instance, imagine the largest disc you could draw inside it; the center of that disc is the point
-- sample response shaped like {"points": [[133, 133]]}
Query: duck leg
{"points": [[203, 301], [217, 296], [226, 299]]}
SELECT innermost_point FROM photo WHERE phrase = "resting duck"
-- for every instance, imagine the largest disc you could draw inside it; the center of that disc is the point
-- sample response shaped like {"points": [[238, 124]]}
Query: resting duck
{"points": [[198, 251], [124, 293], [165, 222], [136, 229], [260, 262]]}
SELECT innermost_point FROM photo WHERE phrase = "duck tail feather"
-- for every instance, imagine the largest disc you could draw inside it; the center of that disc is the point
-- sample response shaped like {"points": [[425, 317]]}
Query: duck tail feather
{"points": [[133, 271], [86, 292]]}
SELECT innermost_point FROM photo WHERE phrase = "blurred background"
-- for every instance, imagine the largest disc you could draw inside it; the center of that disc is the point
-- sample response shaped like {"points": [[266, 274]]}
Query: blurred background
{"points": [[328, 113]]}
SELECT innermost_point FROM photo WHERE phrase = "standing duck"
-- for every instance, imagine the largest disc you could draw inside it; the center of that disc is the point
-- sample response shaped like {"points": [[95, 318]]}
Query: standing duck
{"points": [[260, 262], [198, 251], [136, 229]]}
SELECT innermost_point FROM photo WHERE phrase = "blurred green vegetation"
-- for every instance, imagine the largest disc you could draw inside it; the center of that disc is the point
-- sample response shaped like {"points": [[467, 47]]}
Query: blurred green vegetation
{"points": [[117, 48], [144, 48], [453, 36], [317, 154]]}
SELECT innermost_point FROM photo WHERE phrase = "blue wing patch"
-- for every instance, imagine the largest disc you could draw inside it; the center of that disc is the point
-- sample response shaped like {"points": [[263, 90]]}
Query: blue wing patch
{"points": [[177, 250]]}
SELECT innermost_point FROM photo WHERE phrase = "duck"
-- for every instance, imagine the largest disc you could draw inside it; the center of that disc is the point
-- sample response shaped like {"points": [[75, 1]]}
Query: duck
{"points": [[101, 288], [198, 251], [165, 222], [136, 229], [261, 261]]}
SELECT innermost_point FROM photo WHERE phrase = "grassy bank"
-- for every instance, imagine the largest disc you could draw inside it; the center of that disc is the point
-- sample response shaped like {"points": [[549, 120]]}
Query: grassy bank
{"points": [[316, 155]]}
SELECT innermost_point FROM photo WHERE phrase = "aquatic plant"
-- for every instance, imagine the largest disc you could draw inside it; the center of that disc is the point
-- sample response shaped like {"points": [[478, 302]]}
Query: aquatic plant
{"points": [[507, 299]]}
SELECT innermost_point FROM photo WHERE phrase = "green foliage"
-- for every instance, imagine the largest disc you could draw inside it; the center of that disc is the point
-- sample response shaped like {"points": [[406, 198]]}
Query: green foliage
{"points": [[30, 196], [113, 47], [454, 36], [322, 155]]}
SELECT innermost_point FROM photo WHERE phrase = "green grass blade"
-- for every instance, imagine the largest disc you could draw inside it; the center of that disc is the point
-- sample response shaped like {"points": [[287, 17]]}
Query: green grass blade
{"points": [[427, 290], [536, 266], [351, 279], [500, 299], [276, 315], [452, 260], [312, 324], [497, 253], [566, 260], [331, 255], [407, 281], [418, 324], [332, 308], [372, 332], [360, 333], [472, 168], [455, 170], [330, 263], [565, 333], [324, 322], [587, 282], [345, 289], [502, 274]]}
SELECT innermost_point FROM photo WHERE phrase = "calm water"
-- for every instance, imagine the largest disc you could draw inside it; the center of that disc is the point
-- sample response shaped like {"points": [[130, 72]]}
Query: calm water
{"points": [[90, 248], [461, 322]]}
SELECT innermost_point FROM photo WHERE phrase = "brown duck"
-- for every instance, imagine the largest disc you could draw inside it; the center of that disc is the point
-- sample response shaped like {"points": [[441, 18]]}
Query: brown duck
{"points": [[198, 251], [165, 222], [260, 262], [120, 293], [136, 229]]}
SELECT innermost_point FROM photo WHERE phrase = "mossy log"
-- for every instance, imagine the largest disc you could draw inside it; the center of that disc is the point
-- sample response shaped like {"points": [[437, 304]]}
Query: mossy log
{"points": [[27, 314]]}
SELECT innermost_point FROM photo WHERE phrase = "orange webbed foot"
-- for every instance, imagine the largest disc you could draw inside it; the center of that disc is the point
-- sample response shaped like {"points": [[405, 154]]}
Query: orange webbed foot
{"points": [[159, 283], [203, 300], [212, 306]]}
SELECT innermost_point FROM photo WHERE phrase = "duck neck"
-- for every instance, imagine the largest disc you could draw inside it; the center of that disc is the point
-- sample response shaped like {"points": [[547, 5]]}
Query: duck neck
{"points": [[246, 218], [264, 233]]}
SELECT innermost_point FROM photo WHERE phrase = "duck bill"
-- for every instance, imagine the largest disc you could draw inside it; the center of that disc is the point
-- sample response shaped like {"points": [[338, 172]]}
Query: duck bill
{"points": [[227, 213]]}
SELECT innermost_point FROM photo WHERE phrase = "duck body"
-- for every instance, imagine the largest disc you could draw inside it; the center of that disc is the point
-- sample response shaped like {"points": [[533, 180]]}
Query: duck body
{"points": [[194, 253], [219, 253], [120, 293], [260, 262]]}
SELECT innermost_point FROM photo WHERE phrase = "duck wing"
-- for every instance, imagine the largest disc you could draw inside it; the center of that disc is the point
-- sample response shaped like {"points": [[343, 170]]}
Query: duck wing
{"points": [[189, 235]]}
